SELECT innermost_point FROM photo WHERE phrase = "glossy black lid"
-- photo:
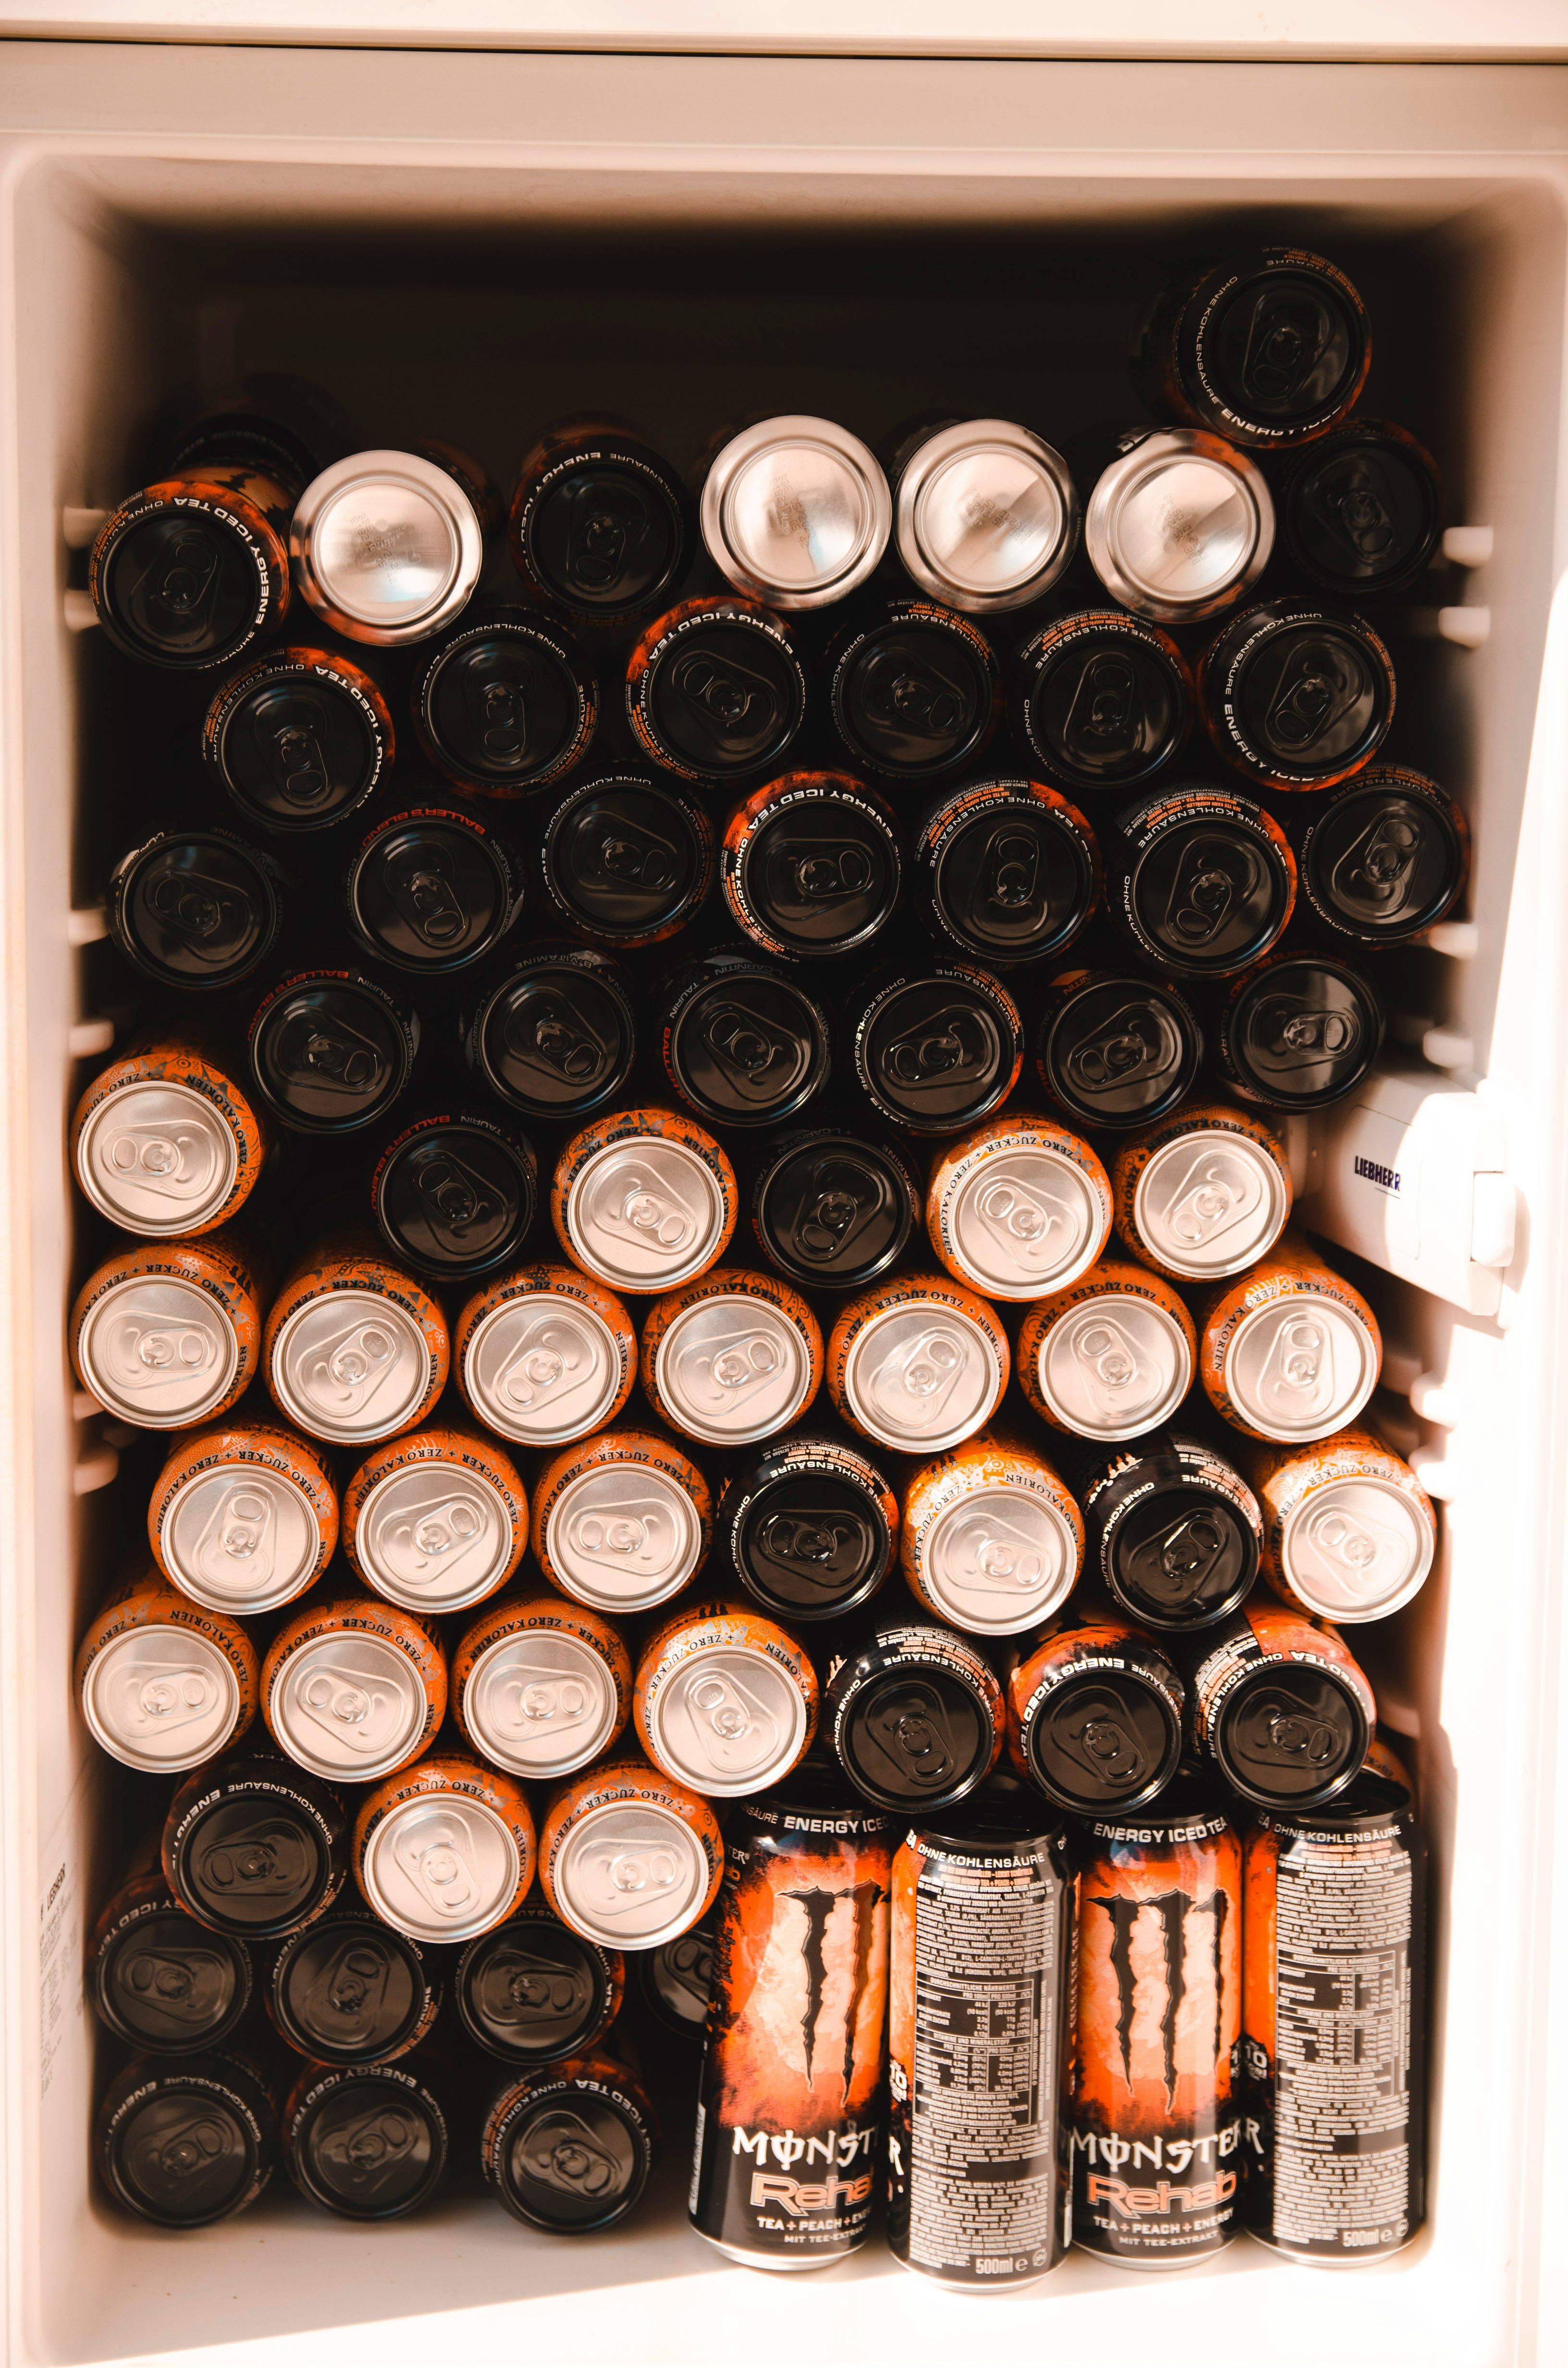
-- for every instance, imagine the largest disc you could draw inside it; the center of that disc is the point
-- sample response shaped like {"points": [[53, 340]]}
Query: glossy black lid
{"points": [[1208, 895], [833, 1211], [456, 1197], [196, 909], [809, 1544], [500, 703], [330, 1053], [179, 586], [1290, 1733], [675, 1980], [1313, 696], [349, 1990], [915, 695], [938, 1053], [821, 876], [1117, 1051], [604, 534], [372, 2147], [625, 858], [1362, 510], [1014, 883], [296, 750], [429, 895], [1104, 707], [556, 1038], [724, 698], [255, 1863], [1385, 858], [574, 2158], [1104, 1739], [748, 1046], [531, 1991], [1283, 345], [1179, 1557], [165, 1982], [182, 2155], [914, 1735], [1304, 1031]]}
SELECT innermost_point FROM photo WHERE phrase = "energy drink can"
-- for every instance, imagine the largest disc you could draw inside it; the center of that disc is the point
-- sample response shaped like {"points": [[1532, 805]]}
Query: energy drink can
{"points": [[188, 572], [504, 705], [724, 1700], [916, 1717], [731, 1358], [533, 1992], [832, 1209], [298, 740], [1156, 2109], [1202, 1195], [243, 1517], [1300, 1031], [162, 1682], [1348, 1531], [809, 1527], [795, 509], [1095, 1716], [430, 506], [1388, 856], [444, 1849], [166, 1142], [644, 1200], [161, 1980], [366, 2142], [1111, 1356], [435, 1521], [354, 1689], [1271, 347], [986, 513], [543, 1355], [628, 1857], [715, 692], [627, 859], [1005, 870], [622, 1522], [1360, 513], [978, 2036], [188, 2143], [1201, 881], [555, 1035], [1296, 695], [674, 1983], [1334, 2019], [993, 1540], [914, 691], [743, 1043], [350, 1990], [1115, 1049], [792, 2103], [356, 1349], [1174, 1532], [936, 1051], [331, 1050], [1291, 1351], [1278, 1706], [810, 865], [568, 2149], [167, 1333], [1104, 700], [431, 889], [541, 1687], [599, 523], [1019, 1207], [256, 1847], [197, 909], [918, 1364], [1179, 524]]}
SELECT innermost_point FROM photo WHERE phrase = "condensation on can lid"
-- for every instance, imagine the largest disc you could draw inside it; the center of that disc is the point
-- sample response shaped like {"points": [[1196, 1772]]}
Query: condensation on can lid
{"points": [[1301, 1367], [1024, 1221], [732, 1369], [240, 1538], [1113, 1366], [646, 1215], [441, 1867], [158, 1159], [999, 1560], [922, 1378], [539, 1704], [433, 1536], [622, 1537], [796, 510], [629, 1874], [1180, 525], [349, 1366], [729, 1723], [542, 1369], [161, 1698], [348, 1706], [1356, 1549], [984, 514], [387, 544], [157, 1351], [1209, 1205]]}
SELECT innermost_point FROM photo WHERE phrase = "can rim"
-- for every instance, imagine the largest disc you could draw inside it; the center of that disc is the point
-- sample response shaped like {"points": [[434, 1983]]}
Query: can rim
{"points": [[216, 1664], [710, 1238], [116, 1107], [237, 1474], [1151, 1418], [581, 1754], [443, 494], [480, 1396], [307, 1416], [581, 1832], [703, 1779], [851, 455], [375, 1888], [130, 1411], [1276, 1204], [935, 1442], [1122, 478], [963, 1616], [688, 1522], [296, 1671], [761, 1312], [475, 1591], [976, 1171], [1422, 1535], [929, 461], [1318, 1427]]}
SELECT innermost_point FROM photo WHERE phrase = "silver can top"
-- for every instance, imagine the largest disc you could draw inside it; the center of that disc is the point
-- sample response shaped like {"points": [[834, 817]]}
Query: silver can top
{"points": [[1114, 1366], [922, 1378], [539, 1704], [646, 1216], [728, 1723], [386, 546], [157, 1351], [441, 1867], [158, 1159], [1301, 1367], [1180, 526], [240, 1539], [629, 1874], [542, 1369], [161, 1698], [1209, 1205], [1024, 1221], [622, 1537], [796, 511], [349, 1366], [732, 1369], [998, 1560], [434, 1537], [1355, 1548], [986, 516], [348, 1707]]}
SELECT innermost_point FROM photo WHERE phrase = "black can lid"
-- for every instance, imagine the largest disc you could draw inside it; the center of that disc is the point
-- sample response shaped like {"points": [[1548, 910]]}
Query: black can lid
{"points": [[196, 909], [557, 1037], [627, 859], [605, 535], [455, 1196], [1386, 858], [1284, 344], [533, 1991], [1314, 698], [1304, 1031], [1107, 1739], [724, 697], [821, 876], [1105, 705], [809, 1545], [916, 696], [748, 1046], [254, 1863], [178, 587], [1291, 1733], [940, 1053], [296, 749], [836, 1211], [348, 1989], [1362, 511], [913, 1735], [1180, 1558], [1014, 883], [330, 1053], [574, 2158], [1118, 1051], [429, 895], [165, 1982], [184, 2154], [675, 1980], [1208, 895], [501, 703], [371, 2145]]}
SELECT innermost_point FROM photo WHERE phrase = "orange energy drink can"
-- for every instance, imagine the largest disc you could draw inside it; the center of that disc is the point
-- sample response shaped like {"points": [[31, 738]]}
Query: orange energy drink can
{"points": [[354, 1689], [715, 690], [1019, 1207], [914, 1716], [792, 2103], [1174, 1532], [733, 1357], [350, 1990], [918, 1364], [622, 1522], [185, 2144], [254, 1846], [992, 1539], [161, 1980], [1157, 2111], [541, 1687], [189, 572], [166, 1142], [543, 1355], [164, 1683], [445, 1849], [435, 1521], [1095, 1716], [628, 1856], [243, 1516], [810, 1528], [533, 1993], [569, 2148], [366, 2142], [299, 739], [1278, 1706], [644, 1200], [1203, 1194], [1112, 1356], [1348, 1531], [725, 1701], [810, 865], [1291, 1351], [166, 1334], [356, 1349]]}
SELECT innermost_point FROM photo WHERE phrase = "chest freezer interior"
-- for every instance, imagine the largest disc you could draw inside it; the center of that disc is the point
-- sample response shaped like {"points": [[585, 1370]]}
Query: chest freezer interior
{"points": [[726, 240]]}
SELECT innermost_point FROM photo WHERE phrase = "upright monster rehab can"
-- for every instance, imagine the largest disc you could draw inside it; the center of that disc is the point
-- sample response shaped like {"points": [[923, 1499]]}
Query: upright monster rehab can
{"points": [[789, 2117]]}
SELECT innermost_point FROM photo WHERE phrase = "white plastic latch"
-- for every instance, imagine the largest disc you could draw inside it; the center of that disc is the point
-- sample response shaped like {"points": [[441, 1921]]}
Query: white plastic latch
{"points": [[79, 611], [1468, 546], [90, 1036], [85, 925]]}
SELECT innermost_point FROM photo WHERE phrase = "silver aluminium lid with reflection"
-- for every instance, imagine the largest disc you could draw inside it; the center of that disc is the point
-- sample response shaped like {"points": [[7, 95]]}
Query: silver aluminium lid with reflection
{"points": [[1113, 1366], [728, 1722], [1209, 1205], [156, 1158], [921, 1378], [240, 1538], [629, 1874], [622, 1537], [1180, 525], [161, 1699], [646, 1216], [542, 1369], [1301, 1367], [539, 1704], [157, 1351], [986, 516], [1023, 1221], [999, 1559], [441, 1867], [347, 1706], [386, 547], [796, 511], [732, 1369], [1355, 1548], [349, 1366], [434, 1537]]}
